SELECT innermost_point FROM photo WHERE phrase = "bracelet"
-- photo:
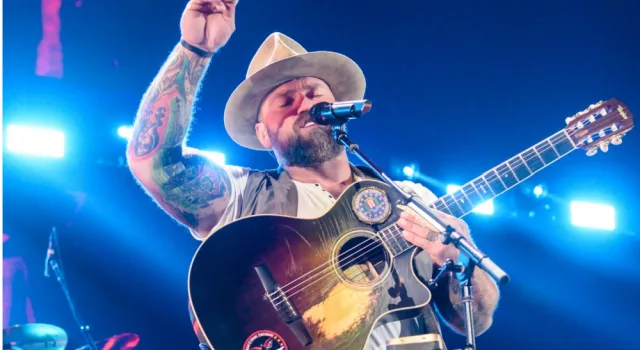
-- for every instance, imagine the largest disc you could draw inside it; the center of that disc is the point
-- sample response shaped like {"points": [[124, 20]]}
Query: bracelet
{"points": [[197, 51]]}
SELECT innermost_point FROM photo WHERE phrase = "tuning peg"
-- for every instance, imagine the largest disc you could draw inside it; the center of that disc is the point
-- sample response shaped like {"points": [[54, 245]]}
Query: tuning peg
{"points": [[569, 120], [592, 151], [616, 140], [604, 146]]}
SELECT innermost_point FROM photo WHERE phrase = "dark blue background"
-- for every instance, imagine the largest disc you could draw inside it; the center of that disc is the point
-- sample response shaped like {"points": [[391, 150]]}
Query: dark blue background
{"points": [[457, 87]]}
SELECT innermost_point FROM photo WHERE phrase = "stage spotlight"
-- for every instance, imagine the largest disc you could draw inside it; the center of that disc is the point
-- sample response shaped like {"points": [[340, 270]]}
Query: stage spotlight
{"points": [[35, 141], [540, 191], [410, 171], [125, 132], [485, 208], [593, 215], [215, 157]]}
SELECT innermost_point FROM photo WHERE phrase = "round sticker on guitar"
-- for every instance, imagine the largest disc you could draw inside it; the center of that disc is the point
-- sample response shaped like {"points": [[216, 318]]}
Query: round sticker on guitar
{"points": [[265, 340], [371, 205]]}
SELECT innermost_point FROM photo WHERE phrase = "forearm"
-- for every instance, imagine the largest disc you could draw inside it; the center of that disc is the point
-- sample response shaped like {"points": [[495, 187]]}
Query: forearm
{"points": [[164, 115], [187, 185], [485, 300]]}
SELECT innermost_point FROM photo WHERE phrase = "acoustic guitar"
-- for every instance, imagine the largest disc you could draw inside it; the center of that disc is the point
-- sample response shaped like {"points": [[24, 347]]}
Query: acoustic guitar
{"points": [[278, 282]]}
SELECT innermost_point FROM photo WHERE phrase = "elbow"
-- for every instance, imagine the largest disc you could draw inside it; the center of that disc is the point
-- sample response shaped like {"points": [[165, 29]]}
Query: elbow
{"points": [[481, 324]]}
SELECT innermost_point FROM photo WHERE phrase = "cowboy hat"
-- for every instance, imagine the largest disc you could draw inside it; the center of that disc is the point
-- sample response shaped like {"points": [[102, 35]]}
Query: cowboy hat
{"points": [[278, 60]]}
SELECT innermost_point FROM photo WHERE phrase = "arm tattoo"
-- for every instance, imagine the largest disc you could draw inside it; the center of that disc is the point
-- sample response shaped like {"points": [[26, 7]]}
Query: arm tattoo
{"points": [[186, 186], [164, 115], [191, 182]]}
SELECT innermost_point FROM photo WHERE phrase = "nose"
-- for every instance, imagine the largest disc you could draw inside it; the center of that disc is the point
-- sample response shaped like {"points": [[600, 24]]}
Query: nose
{"points": [[305, 105]]}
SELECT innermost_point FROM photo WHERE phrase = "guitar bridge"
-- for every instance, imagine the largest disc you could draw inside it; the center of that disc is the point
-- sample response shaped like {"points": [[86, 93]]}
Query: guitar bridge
{"points": [[285, 308]]}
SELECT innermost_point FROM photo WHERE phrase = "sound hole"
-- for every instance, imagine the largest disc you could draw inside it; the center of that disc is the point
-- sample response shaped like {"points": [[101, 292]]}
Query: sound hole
{"points": [[362, 260]]}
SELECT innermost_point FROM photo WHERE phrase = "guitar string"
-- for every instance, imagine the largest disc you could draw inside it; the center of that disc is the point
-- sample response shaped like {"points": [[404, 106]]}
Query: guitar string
{"points": [[509, 169], [548, 144], [535, 157]]}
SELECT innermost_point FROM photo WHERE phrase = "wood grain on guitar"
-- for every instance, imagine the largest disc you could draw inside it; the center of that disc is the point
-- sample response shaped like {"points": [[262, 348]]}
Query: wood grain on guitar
{"points": [[325, 283]]}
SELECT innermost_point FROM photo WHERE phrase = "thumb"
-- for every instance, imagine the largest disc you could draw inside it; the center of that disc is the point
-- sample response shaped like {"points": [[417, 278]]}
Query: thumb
{"points": [[231, 7]]}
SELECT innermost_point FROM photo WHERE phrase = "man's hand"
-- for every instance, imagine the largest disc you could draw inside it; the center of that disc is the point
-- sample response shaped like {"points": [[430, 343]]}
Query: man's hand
{"points": [[208, 24], [420, 232]]}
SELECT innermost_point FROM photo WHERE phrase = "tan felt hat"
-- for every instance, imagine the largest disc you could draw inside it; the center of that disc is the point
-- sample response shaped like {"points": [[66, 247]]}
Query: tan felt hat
{"points": [[278, 60]]}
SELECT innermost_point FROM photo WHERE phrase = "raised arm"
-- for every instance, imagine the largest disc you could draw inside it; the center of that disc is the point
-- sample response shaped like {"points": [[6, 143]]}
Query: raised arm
{"points": [[188, 186]]}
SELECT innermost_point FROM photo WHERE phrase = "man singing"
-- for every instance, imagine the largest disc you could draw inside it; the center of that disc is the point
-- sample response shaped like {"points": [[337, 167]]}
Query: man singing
{"points": [[270, 111]]}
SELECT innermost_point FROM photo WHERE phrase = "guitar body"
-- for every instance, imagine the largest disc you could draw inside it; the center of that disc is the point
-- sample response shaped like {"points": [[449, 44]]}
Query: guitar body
{"points": [[331, 280], [276, 282]]}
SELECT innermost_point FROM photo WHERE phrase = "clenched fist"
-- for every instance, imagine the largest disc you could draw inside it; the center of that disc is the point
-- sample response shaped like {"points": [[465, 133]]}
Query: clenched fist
{"points": [[208, 24]]}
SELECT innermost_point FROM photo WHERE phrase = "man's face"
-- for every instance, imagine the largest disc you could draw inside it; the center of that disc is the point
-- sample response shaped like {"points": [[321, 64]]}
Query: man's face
{"points": [[284, 123]]}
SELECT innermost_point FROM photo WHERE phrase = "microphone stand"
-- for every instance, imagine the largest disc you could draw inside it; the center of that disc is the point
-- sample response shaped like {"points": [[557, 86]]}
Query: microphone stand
{"points": [[84, 328], [473, 256]]}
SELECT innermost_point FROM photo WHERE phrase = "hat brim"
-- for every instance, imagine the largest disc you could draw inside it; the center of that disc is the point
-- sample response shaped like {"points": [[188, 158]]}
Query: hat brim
{"points": [[343, 75]]}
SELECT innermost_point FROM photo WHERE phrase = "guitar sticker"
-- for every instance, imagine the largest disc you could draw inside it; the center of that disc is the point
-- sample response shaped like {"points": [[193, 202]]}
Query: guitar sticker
{"points": [[265, 340], [371, 205]]}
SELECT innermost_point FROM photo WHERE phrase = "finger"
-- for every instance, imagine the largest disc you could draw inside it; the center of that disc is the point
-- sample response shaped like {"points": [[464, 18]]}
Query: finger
{"points": [[412, 226], [416, 220], [414, 238], [448, 219], [201, 5], [231, 7], [427, 234]]}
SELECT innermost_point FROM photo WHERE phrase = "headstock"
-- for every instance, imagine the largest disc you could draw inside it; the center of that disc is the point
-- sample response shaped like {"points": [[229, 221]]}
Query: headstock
{"points": [[603, 123]]}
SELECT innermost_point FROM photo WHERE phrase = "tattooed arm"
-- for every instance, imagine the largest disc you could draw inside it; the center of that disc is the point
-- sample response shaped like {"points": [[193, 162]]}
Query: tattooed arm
{"points": [[188, 186], [448, 299]]}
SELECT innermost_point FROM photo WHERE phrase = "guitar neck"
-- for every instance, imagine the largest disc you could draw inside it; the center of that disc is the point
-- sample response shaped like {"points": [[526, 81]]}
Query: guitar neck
{"points": [[490, 184], [505, 176]]}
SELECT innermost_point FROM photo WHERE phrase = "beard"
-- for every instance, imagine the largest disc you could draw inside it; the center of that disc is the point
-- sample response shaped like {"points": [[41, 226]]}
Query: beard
{"points": [[312, 149]]}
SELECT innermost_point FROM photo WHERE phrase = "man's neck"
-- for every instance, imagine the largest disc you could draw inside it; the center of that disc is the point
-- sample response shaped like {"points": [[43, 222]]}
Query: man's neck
{"points": [[330, 173]]}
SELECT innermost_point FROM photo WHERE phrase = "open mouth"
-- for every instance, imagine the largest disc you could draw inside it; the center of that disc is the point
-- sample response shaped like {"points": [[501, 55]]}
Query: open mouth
{"points": [[309, 124]]}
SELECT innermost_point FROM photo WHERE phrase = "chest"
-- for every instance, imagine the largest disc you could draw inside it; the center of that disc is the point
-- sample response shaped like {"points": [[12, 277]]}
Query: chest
{"points": [[313, 200]]}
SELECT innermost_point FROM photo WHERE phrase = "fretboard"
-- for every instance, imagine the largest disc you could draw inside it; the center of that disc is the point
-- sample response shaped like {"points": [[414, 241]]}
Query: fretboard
{"points": [[490, 184]]}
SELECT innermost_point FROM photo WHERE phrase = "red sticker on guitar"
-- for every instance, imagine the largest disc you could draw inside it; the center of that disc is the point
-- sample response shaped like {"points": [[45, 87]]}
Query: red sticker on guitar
{"points": [[265, 340]]}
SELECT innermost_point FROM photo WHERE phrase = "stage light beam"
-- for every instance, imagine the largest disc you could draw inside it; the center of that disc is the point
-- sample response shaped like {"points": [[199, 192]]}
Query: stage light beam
{"points": [[593, 215], [35, 141], [215, 157], [537, 191], [408, 171], [485, 208], [125, 132]]}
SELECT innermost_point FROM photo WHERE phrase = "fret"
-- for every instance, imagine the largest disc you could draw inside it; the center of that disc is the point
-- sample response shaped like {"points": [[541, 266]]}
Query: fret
{"points": [[519, 168], [442, 206], [507, 176], [568, 137], [563, 143], [391, 241], [521, 158], [472, 193], [482, 187], [553, 147], [453, 206], [462, 201], [495, 183], [533, 160], [397, 234], [546, 153], [444, 200]]}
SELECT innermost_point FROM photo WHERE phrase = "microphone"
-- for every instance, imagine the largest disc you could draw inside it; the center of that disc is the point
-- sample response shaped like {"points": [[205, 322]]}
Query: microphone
{"points": [[338, 113], [50, 251]]}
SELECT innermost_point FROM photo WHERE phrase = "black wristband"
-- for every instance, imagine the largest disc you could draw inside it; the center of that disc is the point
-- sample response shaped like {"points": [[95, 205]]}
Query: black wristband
{"points": [[197, 51]]}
